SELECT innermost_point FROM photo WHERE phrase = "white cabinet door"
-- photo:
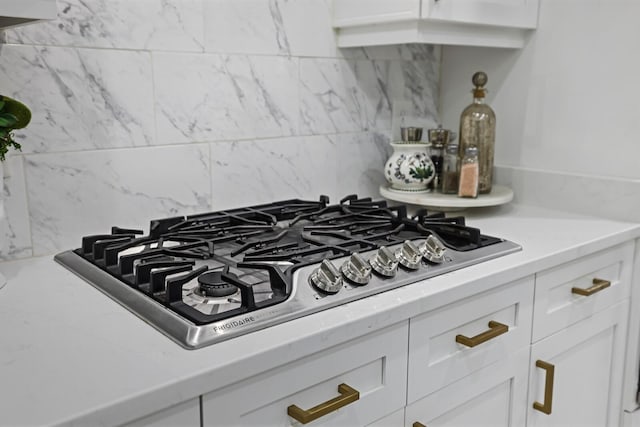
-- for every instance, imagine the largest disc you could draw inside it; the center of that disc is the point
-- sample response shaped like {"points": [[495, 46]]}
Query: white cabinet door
{"points": [[374, 367], [494, 23], [360, 12], [587, 362], [494, 396], [437, 358], [501, 13], [576, 290], [393, 420]]}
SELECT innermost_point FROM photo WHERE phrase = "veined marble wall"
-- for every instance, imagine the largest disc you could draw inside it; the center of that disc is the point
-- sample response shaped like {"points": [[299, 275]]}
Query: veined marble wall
{"points": [[148, 108]]}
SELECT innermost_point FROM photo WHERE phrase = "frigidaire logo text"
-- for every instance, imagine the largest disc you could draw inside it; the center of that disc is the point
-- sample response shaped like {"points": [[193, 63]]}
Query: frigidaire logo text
{"points": [[233, 324]]}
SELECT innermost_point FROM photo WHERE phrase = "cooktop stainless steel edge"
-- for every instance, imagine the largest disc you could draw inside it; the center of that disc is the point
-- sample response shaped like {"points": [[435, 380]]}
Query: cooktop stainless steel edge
{"points": [[304, 299]]}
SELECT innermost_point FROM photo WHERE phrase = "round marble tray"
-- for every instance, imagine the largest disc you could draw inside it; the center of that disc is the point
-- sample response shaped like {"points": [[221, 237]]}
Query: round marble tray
{"points": [[499, 195]]}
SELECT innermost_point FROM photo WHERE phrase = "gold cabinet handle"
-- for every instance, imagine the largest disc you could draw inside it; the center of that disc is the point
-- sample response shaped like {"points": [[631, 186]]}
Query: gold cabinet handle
{"points": [[495, 329], [598, 285], [417, 424], [548, 387], [347, 395]]}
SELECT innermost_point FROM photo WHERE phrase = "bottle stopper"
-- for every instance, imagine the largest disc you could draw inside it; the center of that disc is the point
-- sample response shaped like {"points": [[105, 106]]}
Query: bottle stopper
{"points": [[479, 80]]}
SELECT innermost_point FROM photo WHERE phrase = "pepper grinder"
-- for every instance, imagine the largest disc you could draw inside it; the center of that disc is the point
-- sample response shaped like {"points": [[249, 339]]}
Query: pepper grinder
{"points": [[438, 138]]}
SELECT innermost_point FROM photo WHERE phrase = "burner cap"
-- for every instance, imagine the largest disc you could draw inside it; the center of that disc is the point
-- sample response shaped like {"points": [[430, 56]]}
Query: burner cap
{"points": [[211, 284]]}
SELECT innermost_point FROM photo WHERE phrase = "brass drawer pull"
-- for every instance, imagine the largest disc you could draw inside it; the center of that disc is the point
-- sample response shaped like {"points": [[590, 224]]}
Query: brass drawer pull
{"points": [[417, 424], [347, 395], [598, 285], [548, 387], [495, 329]]}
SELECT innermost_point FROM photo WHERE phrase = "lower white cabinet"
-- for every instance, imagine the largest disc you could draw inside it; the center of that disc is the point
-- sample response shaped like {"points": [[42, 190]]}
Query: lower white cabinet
{"points": [[353, 384], [395, 419], [579, 381], [531, 352], [493, 396], [495, 323]]}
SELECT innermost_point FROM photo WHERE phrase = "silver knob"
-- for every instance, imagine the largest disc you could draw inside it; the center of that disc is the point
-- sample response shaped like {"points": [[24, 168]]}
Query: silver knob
{"points": [[433, 250], [384, 262], [409, 255], [327, 278], [356, 269]]}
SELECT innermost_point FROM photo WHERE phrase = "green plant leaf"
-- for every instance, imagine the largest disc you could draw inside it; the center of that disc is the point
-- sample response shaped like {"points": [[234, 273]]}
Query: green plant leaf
{"points": [[19, 110], [13, 115], [6, 142], [8, 120]]}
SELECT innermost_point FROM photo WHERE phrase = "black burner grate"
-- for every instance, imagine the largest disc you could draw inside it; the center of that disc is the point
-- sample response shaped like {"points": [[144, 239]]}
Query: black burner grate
{"points": [[253, 251]]}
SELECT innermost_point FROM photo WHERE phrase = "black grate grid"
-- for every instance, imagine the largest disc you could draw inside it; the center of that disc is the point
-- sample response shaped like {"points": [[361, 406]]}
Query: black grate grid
{"points": [[257, 249]]}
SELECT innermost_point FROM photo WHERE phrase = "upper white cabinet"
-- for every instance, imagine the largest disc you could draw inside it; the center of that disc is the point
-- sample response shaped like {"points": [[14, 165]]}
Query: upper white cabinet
{"points": [[495, 23], [20, 12]]}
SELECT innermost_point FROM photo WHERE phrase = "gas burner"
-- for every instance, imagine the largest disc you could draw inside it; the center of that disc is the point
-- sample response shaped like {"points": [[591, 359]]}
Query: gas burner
{"points": [[211, 284], [205, 278]]}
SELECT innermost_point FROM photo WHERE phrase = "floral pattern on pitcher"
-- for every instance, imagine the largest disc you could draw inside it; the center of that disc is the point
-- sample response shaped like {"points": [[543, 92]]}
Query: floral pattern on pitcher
{"points": [[409, 168]]}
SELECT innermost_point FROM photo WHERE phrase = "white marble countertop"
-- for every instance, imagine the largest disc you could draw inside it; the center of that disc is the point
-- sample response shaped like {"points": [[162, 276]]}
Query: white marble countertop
{"points": [[70, 355]]}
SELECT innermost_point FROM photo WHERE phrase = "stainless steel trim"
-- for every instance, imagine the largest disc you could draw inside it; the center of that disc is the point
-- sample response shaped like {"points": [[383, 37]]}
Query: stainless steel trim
{"points": [[303, 301]]}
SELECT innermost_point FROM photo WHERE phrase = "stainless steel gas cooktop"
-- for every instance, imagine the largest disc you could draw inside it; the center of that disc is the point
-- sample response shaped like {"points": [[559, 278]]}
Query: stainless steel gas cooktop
{"points": [[206, 278]]}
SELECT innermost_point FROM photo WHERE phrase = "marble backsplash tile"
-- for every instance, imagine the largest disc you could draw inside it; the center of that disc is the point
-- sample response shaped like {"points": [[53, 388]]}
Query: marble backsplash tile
{"points": [[416, 84], [221, 97], [15, 235], [270, 27], [83, 193], [406, 52], [80, 98], [174, 25], [149, 108], [339, 95], [263, 171], [361, 162]]}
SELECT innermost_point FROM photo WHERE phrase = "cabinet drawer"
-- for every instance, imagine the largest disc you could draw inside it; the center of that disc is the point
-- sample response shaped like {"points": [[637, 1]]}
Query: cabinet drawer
{"points": [[437, 359], [492, 396], [374, 365], [557, 305], [394, 420]]}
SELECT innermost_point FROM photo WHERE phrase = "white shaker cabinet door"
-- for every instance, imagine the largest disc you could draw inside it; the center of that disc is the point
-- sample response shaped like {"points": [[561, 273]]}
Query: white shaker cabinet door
{"points": [[494, 396], [576, 374], [494, 23], [360, 12], [350, 385]]}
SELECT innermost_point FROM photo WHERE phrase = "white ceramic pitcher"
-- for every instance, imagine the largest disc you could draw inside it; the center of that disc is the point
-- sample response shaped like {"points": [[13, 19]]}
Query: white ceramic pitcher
{"points": [[409, 168]]}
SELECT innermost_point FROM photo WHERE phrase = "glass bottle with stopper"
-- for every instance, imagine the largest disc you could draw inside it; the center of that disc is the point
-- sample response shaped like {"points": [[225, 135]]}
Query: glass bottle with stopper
{"points": [[478, 129]]}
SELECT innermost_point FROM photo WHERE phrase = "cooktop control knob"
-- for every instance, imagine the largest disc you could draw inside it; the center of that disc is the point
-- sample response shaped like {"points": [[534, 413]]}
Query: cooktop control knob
{"points": [[409, 255], [433, 250], [327, 278], [384, 262], [356, 269]]}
